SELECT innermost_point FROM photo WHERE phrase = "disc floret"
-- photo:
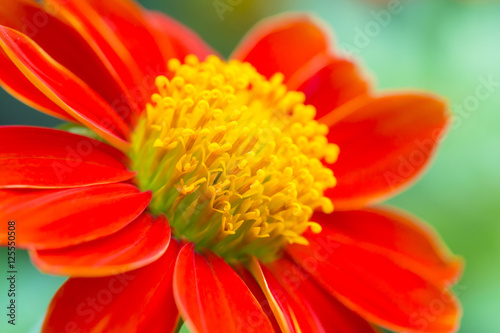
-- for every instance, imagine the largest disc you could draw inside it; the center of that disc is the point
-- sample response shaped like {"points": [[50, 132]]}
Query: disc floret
{"points": [[233, 159]]}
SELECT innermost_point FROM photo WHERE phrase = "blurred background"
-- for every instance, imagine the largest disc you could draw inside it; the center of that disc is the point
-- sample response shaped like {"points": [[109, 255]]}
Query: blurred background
{"points": [[450, 47]]}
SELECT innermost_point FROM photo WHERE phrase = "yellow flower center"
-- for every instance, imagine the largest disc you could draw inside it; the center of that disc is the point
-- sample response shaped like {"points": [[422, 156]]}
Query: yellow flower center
{"points": [[233, 159]]}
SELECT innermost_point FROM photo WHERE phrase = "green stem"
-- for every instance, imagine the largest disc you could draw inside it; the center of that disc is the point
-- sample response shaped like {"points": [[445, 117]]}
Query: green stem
{"points": [[180, 323]]}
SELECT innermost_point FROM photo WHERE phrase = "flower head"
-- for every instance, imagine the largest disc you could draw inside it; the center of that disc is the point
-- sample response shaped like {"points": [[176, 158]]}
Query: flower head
{"points": [[231, 194]]}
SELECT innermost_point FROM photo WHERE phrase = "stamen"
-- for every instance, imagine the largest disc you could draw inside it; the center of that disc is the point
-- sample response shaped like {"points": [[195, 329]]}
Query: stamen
{"points": [[233, 159]]}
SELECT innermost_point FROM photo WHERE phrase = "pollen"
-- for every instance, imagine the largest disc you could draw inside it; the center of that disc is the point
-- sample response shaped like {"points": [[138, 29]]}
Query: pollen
{"points": [[234, 160]]}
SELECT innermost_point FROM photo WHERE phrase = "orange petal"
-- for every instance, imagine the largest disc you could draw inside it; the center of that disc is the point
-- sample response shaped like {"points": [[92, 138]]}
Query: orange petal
{"points": [[16, 84], [39, 157], [181, 40], [283, 44], [406, 240], [275, 296], [63, 43], [385, 142], [135, 301], [328, 82], [370, 282], [60, 218], [212, 298], [315, 311], [120, 30], [64, 88], [138, 244], [259, 295]]}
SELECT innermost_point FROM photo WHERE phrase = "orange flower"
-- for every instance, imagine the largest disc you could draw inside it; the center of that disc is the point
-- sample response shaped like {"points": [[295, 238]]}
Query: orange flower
{"points": [[240, 156]]}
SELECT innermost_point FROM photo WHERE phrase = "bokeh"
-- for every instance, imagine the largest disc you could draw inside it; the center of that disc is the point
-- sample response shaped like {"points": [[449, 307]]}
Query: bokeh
{"points": [[449, 47]]}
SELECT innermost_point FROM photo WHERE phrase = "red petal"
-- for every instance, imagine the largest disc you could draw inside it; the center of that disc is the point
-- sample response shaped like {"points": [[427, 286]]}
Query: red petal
{"points": [[328, 82], [375, 286], [136, 301], [212, 298], [121, 32], [38, 157], [62, 43], [16, 84], [138, 244], [283, 44], [385, 142], [63, 87], [275, 295], [181, 40], [259, 295], [60, 218], [407, 241], [315, 310]]}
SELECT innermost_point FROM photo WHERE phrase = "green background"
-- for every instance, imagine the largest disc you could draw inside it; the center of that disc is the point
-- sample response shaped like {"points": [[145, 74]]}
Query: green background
{"points": [[442, 46]]}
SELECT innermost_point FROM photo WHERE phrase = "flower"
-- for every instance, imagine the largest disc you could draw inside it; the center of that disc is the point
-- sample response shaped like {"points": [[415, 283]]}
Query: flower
{"points": [[232, 194]]}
